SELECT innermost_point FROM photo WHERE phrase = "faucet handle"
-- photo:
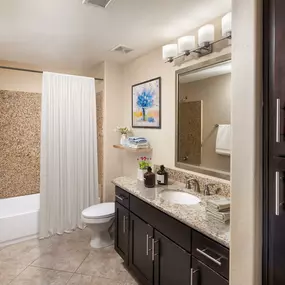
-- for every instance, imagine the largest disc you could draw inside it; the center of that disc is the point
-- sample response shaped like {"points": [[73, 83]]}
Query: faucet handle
{"points": [[187, 184], [209, 186]]}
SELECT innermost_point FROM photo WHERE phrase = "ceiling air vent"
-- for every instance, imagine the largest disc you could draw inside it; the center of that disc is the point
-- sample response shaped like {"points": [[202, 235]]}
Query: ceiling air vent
{"points": [[100, 3], [121, 49]]}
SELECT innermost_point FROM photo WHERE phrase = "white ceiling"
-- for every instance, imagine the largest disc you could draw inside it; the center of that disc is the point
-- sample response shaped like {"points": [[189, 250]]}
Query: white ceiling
{"points": [[66, 34], [216, 70]]}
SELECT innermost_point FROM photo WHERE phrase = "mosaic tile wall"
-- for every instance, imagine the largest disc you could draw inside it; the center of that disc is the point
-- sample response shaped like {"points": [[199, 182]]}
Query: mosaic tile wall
{"points": [[19, 143], [99, 106]]}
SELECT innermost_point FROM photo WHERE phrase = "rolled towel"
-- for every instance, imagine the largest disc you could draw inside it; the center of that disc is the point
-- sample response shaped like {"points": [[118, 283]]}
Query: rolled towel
{"points": [[220, 204]]}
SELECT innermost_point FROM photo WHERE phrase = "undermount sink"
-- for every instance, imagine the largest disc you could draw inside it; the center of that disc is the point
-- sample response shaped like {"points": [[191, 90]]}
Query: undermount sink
{"points": [[179, 197]]}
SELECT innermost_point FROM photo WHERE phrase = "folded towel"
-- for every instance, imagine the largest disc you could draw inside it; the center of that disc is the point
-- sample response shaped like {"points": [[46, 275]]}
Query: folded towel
{"points": [[137, 139], [217, 219], [223, 141], [214, 209], [220, 204], [218, 215]]}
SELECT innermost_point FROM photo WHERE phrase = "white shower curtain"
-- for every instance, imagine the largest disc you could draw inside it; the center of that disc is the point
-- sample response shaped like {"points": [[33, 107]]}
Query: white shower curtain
{"points": [[69, 167]]}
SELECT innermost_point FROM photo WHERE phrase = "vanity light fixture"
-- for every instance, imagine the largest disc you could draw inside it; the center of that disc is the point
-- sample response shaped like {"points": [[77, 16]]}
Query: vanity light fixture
{"points": [[227, 25], [206, 35], [169, 52], [206, 40], [185, 44]]}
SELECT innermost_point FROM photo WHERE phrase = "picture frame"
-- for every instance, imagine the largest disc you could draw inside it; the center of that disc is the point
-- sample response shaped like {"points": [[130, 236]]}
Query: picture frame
{"points": [[146, 104]]}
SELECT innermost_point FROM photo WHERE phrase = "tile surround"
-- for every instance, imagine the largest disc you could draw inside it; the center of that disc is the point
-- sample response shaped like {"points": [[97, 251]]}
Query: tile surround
{"points": [[181, 176], [20, 125]]}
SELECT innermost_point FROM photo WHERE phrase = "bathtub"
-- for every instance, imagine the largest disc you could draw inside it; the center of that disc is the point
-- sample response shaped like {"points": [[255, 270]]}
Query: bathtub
{"points": [[19, 218]]}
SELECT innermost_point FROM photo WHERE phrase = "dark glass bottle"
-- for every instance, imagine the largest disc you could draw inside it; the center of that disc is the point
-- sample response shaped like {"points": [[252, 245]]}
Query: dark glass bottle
{"points": [[162, 176], [149, 178]]}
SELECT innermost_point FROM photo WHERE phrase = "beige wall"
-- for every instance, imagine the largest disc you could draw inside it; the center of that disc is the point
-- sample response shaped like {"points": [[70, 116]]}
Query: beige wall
{"points": [[114, 110], [151, 66], [20, 81], [246, 205], [215, 92]]}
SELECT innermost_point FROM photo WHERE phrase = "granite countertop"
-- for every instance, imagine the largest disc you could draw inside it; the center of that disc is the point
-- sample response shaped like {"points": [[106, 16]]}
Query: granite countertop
{"points": [[194, 216]]}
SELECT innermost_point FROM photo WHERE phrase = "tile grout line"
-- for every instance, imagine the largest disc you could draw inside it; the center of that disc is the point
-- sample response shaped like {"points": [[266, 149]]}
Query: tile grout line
{"points": [[18, 274], [82, 261], [48, 268]]}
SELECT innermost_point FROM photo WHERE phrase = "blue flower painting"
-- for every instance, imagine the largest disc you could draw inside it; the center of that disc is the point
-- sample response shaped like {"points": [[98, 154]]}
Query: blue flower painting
{"points": [[146, 104]]}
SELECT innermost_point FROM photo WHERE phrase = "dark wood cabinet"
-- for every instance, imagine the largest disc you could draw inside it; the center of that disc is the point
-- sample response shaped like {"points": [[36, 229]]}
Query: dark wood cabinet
{"points": [[140, 259], [276, 275], [122, 231], [276, 77], [273, 142], [201, 274], [157, 248], [172, 264]]}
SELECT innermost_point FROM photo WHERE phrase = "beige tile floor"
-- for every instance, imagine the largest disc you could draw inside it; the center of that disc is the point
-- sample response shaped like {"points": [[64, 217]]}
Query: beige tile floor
{"points": [[66, 259]]}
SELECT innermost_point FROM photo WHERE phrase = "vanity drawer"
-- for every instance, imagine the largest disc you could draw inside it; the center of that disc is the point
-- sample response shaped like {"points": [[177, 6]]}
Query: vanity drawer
{"points": [[170, 227], [122, 197], [211, 253]]}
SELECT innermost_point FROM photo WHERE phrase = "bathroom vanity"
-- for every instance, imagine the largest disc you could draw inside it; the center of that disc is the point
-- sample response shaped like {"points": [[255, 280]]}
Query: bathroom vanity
{"points": [[168, 244]]}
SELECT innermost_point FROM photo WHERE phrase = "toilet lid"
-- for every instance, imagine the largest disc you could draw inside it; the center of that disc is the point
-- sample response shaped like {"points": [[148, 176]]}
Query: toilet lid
{"points": [[103, 210]]}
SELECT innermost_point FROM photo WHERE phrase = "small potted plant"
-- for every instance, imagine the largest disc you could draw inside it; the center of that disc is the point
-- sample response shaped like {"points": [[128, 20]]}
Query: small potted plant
{"points": [[124, 134], [143, 163]]}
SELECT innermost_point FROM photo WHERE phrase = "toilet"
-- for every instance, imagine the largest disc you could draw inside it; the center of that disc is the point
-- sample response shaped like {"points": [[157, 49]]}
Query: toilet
{"points": [[99, 219]]}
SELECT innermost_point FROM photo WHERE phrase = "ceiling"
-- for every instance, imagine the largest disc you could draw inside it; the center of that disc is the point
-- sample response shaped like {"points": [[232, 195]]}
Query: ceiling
{"points": [[67, 34], [216, 70]]}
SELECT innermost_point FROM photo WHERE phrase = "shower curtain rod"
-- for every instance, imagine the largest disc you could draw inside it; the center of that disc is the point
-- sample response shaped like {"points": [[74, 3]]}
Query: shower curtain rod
{"points": [[34, 71]]}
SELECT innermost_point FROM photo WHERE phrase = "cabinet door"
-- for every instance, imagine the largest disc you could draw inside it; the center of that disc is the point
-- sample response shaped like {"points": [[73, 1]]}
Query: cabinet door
{"points": [[201, 274], [140, 259], [276, 223], [276, 77], [122, 232], [172, 264]]}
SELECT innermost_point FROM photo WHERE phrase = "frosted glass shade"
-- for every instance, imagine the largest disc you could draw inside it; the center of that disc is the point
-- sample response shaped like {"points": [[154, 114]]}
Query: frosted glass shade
{"points": [[227, 24], [206, 34], [186, 43], [169, 51]]}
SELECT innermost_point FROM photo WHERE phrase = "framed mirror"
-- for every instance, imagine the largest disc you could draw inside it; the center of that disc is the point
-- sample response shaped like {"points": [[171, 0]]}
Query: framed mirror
{"points": [[203, 117]]}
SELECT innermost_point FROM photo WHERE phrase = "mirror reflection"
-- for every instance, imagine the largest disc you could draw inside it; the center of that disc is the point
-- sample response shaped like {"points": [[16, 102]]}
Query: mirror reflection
{"points": [[204, 118]]}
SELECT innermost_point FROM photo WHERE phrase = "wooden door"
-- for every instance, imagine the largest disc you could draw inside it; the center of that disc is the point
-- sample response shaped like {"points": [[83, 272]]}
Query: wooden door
{"points": [[140, 259], [122, 232], [172, 264]]}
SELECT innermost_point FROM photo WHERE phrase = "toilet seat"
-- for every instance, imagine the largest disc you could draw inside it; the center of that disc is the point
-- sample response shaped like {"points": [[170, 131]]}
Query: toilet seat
{"points": [[100, 211]]}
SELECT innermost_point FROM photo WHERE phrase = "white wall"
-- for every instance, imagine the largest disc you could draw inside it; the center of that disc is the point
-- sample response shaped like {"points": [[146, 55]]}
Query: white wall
{"points": [[142, 69], [246, 205]]}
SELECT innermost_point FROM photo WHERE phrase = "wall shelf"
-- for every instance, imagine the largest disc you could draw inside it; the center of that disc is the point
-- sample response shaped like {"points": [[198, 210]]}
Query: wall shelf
{"points": [[118, 146]]}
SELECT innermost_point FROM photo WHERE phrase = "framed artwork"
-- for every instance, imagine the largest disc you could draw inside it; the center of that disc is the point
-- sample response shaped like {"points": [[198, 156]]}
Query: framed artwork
{"points": [[146, 104]]}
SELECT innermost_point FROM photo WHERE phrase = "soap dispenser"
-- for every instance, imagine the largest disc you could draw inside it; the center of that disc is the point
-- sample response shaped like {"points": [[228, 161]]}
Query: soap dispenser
{"points": [[149, 178], [162, 176]]}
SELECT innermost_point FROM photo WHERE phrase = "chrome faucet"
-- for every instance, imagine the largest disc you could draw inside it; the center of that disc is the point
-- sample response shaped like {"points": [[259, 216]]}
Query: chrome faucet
{"points": [[192, 181], [207, 191]]}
